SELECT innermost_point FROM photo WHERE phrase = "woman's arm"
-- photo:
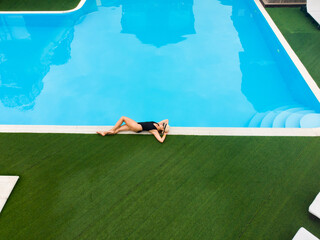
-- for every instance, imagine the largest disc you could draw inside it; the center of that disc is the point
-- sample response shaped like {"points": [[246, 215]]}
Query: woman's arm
{"points": [[164, 121], [157, 135]]}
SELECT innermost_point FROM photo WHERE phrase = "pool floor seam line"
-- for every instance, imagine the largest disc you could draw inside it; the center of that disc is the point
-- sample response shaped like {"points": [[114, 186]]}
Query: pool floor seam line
{"points": [[199, 131]]}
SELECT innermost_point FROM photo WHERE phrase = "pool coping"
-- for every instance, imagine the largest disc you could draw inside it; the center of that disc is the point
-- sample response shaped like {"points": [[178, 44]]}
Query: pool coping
{"points": [[201, 131], [208, 131]]}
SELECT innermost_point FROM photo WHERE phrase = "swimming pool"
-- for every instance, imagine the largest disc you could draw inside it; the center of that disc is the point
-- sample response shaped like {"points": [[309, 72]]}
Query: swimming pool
{"points": [[209, 63]]}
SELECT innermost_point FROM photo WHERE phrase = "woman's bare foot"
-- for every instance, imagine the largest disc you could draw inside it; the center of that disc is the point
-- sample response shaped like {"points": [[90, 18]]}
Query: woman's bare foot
{"points": [[111, 132], [103, 133]]}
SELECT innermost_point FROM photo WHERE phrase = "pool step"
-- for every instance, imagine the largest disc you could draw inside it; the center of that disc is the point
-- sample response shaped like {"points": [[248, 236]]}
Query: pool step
{"points": [[293, 121], [280, 120], [293, 116], [310, 120], [257, 119], [267, 121]]}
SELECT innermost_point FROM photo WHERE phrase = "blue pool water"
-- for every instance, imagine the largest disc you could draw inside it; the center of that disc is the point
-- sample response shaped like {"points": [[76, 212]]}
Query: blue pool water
{"points": [[199, 63]]}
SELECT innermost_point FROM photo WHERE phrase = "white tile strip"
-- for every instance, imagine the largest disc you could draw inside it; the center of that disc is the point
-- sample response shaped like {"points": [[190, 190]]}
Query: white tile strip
{"points": [[7, 183], [315, 206], [304, 234], [81, 3], [203, 131]]}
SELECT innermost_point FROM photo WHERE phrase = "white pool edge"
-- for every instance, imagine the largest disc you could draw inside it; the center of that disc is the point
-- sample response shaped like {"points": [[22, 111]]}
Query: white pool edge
{"points": [[202, 131], [81, 3]]}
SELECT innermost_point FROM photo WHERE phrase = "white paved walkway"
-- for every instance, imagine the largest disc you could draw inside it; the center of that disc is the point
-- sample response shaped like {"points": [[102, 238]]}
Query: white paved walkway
{"points": [[6, 185]]}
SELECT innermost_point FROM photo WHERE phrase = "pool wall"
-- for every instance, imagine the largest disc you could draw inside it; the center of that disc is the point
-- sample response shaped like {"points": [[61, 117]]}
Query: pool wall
{"points": [[279, 44]]}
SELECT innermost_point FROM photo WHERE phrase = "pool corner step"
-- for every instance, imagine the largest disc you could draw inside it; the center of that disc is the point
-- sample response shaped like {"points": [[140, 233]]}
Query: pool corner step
{"points": [[311, 120], [285, 117], [256, 119], [280, 120], [293, 121], [267, 121]]}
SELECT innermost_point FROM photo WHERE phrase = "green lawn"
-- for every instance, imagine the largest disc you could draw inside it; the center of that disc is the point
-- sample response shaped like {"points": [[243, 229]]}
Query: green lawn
{"points": [[190, 187], [132, 187], [302, 35], [37, 5]]}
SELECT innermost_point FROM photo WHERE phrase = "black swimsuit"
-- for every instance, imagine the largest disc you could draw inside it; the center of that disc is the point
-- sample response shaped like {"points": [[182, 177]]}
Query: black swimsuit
{"points": [[147, 126]]}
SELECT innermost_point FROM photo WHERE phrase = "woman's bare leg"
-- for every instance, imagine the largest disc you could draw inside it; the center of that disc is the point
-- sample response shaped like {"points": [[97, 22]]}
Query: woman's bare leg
{"points": [[129, 125], [132, 125], [122, 128]]}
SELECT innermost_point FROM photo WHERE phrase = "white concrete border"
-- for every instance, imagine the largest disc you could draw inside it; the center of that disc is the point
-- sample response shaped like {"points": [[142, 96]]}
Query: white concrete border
{"points": [[81, 3], [314, 208], [202, 131], [304, 234], [188, 130], [7, 184]]}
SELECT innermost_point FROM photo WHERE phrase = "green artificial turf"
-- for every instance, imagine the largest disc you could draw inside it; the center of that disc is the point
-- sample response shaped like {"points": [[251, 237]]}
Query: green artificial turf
{"points": [[190, 187], [132, 187], [302, 35], [36, 5]]}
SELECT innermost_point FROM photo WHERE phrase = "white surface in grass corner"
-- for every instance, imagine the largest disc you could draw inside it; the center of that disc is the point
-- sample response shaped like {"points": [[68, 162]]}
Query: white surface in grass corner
{"points": [[7, 183]]}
